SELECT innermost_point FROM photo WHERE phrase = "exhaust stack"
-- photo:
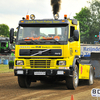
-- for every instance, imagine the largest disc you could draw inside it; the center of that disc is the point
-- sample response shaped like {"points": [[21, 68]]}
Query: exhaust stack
{"points": [[55, 6]]}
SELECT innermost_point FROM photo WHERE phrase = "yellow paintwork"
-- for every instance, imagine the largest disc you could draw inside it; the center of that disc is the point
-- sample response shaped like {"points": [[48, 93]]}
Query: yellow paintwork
{"points": [[69, 51], [84, 71], [65, 55], [53, 64]]}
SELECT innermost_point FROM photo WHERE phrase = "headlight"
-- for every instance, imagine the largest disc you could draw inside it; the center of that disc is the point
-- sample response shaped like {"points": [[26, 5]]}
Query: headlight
{"points": [[19, 62], [61, 62]]}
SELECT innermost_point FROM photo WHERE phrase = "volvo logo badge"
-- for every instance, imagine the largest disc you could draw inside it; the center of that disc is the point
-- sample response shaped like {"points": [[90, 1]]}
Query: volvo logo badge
{"points": [[40, 52]]}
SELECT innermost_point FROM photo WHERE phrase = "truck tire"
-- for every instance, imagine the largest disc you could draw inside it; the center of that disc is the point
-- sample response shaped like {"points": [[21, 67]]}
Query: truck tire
{"points": [[24, 81], [91, 76], [72, 82]]}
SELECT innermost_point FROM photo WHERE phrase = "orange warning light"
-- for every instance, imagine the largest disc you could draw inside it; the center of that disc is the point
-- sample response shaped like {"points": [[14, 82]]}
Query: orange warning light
{"points": [[27, 17], [63, 20], [22, 21], [65, 16]]}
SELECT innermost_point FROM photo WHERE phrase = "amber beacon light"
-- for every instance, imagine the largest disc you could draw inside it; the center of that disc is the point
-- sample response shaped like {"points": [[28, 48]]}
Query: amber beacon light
{"points": [[65, 16], [27, 17]]}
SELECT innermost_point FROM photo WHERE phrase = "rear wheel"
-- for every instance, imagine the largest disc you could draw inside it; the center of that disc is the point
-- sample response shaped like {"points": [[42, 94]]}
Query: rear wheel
{"points": [[72, 82], [24, 81], [91, 76]]}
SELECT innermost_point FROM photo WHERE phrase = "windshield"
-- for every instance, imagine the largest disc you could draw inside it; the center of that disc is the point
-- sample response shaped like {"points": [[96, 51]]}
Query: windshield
{"points": [[43, 33]]}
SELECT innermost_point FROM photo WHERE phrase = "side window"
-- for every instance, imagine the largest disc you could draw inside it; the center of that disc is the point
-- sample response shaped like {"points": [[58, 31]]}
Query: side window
{"points": [[71, 33]]}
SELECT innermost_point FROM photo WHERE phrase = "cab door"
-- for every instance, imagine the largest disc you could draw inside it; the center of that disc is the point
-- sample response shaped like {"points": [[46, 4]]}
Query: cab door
{"points": [[73, 45]]}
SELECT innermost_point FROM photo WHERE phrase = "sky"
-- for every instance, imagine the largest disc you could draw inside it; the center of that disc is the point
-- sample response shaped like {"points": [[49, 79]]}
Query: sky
{"points": [[11, 11]]}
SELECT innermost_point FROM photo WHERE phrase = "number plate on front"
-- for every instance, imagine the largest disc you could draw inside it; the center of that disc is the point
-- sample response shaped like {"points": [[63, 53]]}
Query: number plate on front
{"points": [[20, 72], [39, 73]]}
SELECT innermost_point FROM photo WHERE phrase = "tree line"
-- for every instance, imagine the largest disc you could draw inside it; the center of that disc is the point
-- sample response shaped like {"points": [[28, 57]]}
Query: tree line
{"points": [[4, 30], [89, 19]]}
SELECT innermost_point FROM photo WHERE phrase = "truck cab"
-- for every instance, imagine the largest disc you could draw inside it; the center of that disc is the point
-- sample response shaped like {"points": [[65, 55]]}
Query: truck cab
{"points": [[47, 50]]}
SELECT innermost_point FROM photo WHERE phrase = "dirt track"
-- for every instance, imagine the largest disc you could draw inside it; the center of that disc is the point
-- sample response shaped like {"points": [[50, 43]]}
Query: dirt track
{"points": [[9, 90]]}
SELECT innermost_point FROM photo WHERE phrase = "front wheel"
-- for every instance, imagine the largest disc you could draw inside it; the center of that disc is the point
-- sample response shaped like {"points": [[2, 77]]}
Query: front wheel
{"points": [[72, 82], [24, 81]]}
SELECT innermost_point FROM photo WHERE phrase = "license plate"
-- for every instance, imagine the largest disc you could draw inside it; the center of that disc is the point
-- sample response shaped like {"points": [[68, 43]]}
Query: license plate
{"points": [[60, 72], [20, 72], [39, 73]]}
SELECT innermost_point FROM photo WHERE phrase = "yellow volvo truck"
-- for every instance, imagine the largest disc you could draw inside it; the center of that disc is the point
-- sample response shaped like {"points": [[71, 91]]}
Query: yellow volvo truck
{"points": [[49, 50]]}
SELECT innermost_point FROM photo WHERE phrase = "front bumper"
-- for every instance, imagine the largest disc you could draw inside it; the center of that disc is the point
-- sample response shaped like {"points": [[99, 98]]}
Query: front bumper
{"points": [[47, 72]]}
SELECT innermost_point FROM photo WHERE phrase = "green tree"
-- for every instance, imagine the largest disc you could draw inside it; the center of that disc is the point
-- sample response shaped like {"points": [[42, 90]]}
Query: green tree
{"points": [[4, 30], [95, 16], [89, 19], [84, 17]]}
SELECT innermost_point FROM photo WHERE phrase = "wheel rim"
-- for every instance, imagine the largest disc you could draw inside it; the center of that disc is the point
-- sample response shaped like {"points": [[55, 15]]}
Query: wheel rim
{"points": [[76, 77]]}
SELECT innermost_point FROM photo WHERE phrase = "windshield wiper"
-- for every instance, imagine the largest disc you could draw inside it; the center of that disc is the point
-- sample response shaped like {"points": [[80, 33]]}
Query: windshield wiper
{"points": [[28, 42], [52, 41], [31, 42], [55, 41]]}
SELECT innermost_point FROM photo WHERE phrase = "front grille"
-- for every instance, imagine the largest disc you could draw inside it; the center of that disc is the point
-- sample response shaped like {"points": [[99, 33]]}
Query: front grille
{"points": [[40, 52], [40, 63]]}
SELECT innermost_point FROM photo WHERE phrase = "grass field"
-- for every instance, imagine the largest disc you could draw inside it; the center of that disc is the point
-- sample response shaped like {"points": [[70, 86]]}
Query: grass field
{"points": [[5, 68]]}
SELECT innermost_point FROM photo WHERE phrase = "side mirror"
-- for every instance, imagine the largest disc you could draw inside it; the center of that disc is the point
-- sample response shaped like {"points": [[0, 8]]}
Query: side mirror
{"points": [[76, 35], [11, 35]]}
